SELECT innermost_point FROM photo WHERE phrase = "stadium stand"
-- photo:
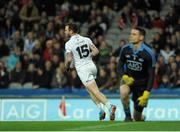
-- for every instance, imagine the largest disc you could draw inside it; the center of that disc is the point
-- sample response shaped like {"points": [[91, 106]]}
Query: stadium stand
{"points": [[32, 43]]}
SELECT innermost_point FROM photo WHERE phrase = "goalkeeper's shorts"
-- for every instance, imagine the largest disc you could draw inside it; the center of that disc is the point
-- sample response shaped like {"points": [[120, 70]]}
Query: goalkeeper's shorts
{"points": [[136, 93]]}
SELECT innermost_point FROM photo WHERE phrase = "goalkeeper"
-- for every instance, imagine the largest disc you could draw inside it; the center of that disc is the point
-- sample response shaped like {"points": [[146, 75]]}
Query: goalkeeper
{"points": [[136, 69]]}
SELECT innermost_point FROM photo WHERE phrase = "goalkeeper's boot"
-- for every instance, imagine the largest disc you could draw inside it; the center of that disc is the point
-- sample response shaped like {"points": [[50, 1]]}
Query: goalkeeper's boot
{"points": [[128, 119], [102, 115], [112, 112], [143, 118]]}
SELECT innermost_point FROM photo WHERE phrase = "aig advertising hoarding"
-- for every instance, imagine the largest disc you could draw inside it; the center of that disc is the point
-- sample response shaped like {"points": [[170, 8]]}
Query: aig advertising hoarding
{"points": [[79, 110]]}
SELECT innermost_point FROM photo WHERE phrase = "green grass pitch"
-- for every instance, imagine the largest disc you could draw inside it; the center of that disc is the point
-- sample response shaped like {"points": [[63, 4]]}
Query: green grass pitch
{"points": [[90, 126]]}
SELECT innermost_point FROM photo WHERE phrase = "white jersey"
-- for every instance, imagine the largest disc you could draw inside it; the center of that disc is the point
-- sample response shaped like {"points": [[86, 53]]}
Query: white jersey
{"points": [[80, 47]]}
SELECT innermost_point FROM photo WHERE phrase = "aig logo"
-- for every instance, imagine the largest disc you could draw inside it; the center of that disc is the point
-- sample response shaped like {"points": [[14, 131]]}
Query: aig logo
{"points": [[23, 110], [133, 65]]}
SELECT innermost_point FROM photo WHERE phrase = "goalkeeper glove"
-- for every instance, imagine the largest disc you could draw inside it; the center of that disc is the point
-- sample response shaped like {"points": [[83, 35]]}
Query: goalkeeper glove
{"points": [[128, 80], [144, 98]]}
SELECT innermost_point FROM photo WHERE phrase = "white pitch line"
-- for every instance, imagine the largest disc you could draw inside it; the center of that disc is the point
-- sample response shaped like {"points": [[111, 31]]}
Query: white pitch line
{"points": [[99, 126]]}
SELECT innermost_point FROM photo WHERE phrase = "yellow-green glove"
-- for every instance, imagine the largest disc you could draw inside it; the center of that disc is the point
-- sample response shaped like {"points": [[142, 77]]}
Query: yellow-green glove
{"points": [[144, 98], [128, 80]]}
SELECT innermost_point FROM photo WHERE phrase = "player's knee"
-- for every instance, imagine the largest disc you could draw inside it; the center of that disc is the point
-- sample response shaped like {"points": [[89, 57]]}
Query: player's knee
{"points": [[95, 92], [124, 92]]}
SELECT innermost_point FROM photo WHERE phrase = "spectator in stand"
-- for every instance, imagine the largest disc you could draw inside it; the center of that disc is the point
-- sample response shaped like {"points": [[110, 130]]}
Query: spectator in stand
{"points": [[17, 76], [39, 79], [94, 29], [173, 74], [17, 40], [29, 42], [102, 78], [171, 17], [55, 61], [166, 53], [104, 53], [124, 20], [9, 28], [47, 54], [75, 81], [4, 49], [112, 82], [30, 76], [116, 53], [60, 78], [29, 14], [177, 59], [144, 19], [37, 60], [13, 58], [58, 50], [50, 30], [157, 42], [4, 76], [160, 69], [48, 73], [158, 22], [37, 48], [177, 82], [165, 82]]}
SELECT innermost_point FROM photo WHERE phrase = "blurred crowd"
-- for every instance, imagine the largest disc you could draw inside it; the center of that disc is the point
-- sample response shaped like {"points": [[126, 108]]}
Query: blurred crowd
{"points": [[32, 40]]}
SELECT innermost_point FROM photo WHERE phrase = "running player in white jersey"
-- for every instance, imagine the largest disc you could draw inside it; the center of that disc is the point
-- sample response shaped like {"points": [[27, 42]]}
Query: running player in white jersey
{"points": [[80, 50]]}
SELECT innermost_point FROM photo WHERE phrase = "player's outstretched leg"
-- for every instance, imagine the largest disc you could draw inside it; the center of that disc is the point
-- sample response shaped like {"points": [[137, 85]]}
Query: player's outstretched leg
{"points": [[93, 88], [102, 113]]}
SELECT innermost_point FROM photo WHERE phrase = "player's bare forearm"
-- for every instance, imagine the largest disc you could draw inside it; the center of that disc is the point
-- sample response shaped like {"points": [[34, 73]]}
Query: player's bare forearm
{"points": [[68, 60], [67, 64], [94, 50]]}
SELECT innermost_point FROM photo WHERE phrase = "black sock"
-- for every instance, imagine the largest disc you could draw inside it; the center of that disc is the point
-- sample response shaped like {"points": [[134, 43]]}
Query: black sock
{"points": [[127, 112]]}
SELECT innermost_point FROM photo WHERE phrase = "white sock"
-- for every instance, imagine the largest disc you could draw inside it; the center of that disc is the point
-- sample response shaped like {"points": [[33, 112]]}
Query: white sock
{"points": [[100, 106], [108, 105]]}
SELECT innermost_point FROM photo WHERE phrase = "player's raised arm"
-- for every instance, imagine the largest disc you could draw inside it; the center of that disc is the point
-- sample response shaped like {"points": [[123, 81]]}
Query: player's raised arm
{"points": [[94, 50]]}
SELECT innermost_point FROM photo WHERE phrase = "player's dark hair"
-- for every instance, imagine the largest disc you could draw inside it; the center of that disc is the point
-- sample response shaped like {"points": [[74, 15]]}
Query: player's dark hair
{"points": [[141, 30], [73, 27]]}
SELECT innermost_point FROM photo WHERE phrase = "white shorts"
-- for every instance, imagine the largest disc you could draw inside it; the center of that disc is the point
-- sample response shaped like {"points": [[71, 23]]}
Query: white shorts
{"points": [[87, 73]]}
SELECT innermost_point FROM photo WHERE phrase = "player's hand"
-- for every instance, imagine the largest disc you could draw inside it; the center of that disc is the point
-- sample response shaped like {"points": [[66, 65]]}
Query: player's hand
{"points": [[128, 80], [144, 99]]}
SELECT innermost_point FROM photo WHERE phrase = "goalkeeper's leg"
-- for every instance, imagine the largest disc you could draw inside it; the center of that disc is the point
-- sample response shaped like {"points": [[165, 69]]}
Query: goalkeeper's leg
{"points": [[125, 99], [138, 114]]}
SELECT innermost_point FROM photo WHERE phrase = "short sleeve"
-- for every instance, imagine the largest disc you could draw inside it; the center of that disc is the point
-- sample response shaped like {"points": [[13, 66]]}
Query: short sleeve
{"points": [[67, 48], [89, 41]]}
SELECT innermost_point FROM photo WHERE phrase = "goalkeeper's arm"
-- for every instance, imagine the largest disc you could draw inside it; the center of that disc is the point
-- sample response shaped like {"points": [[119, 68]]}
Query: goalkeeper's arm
{"points": [[144, 98]]}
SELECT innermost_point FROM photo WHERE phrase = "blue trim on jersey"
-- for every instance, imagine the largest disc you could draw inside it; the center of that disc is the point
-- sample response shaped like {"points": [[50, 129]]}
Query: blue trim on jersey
{"points": [[150, 51], [124, 67]]}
